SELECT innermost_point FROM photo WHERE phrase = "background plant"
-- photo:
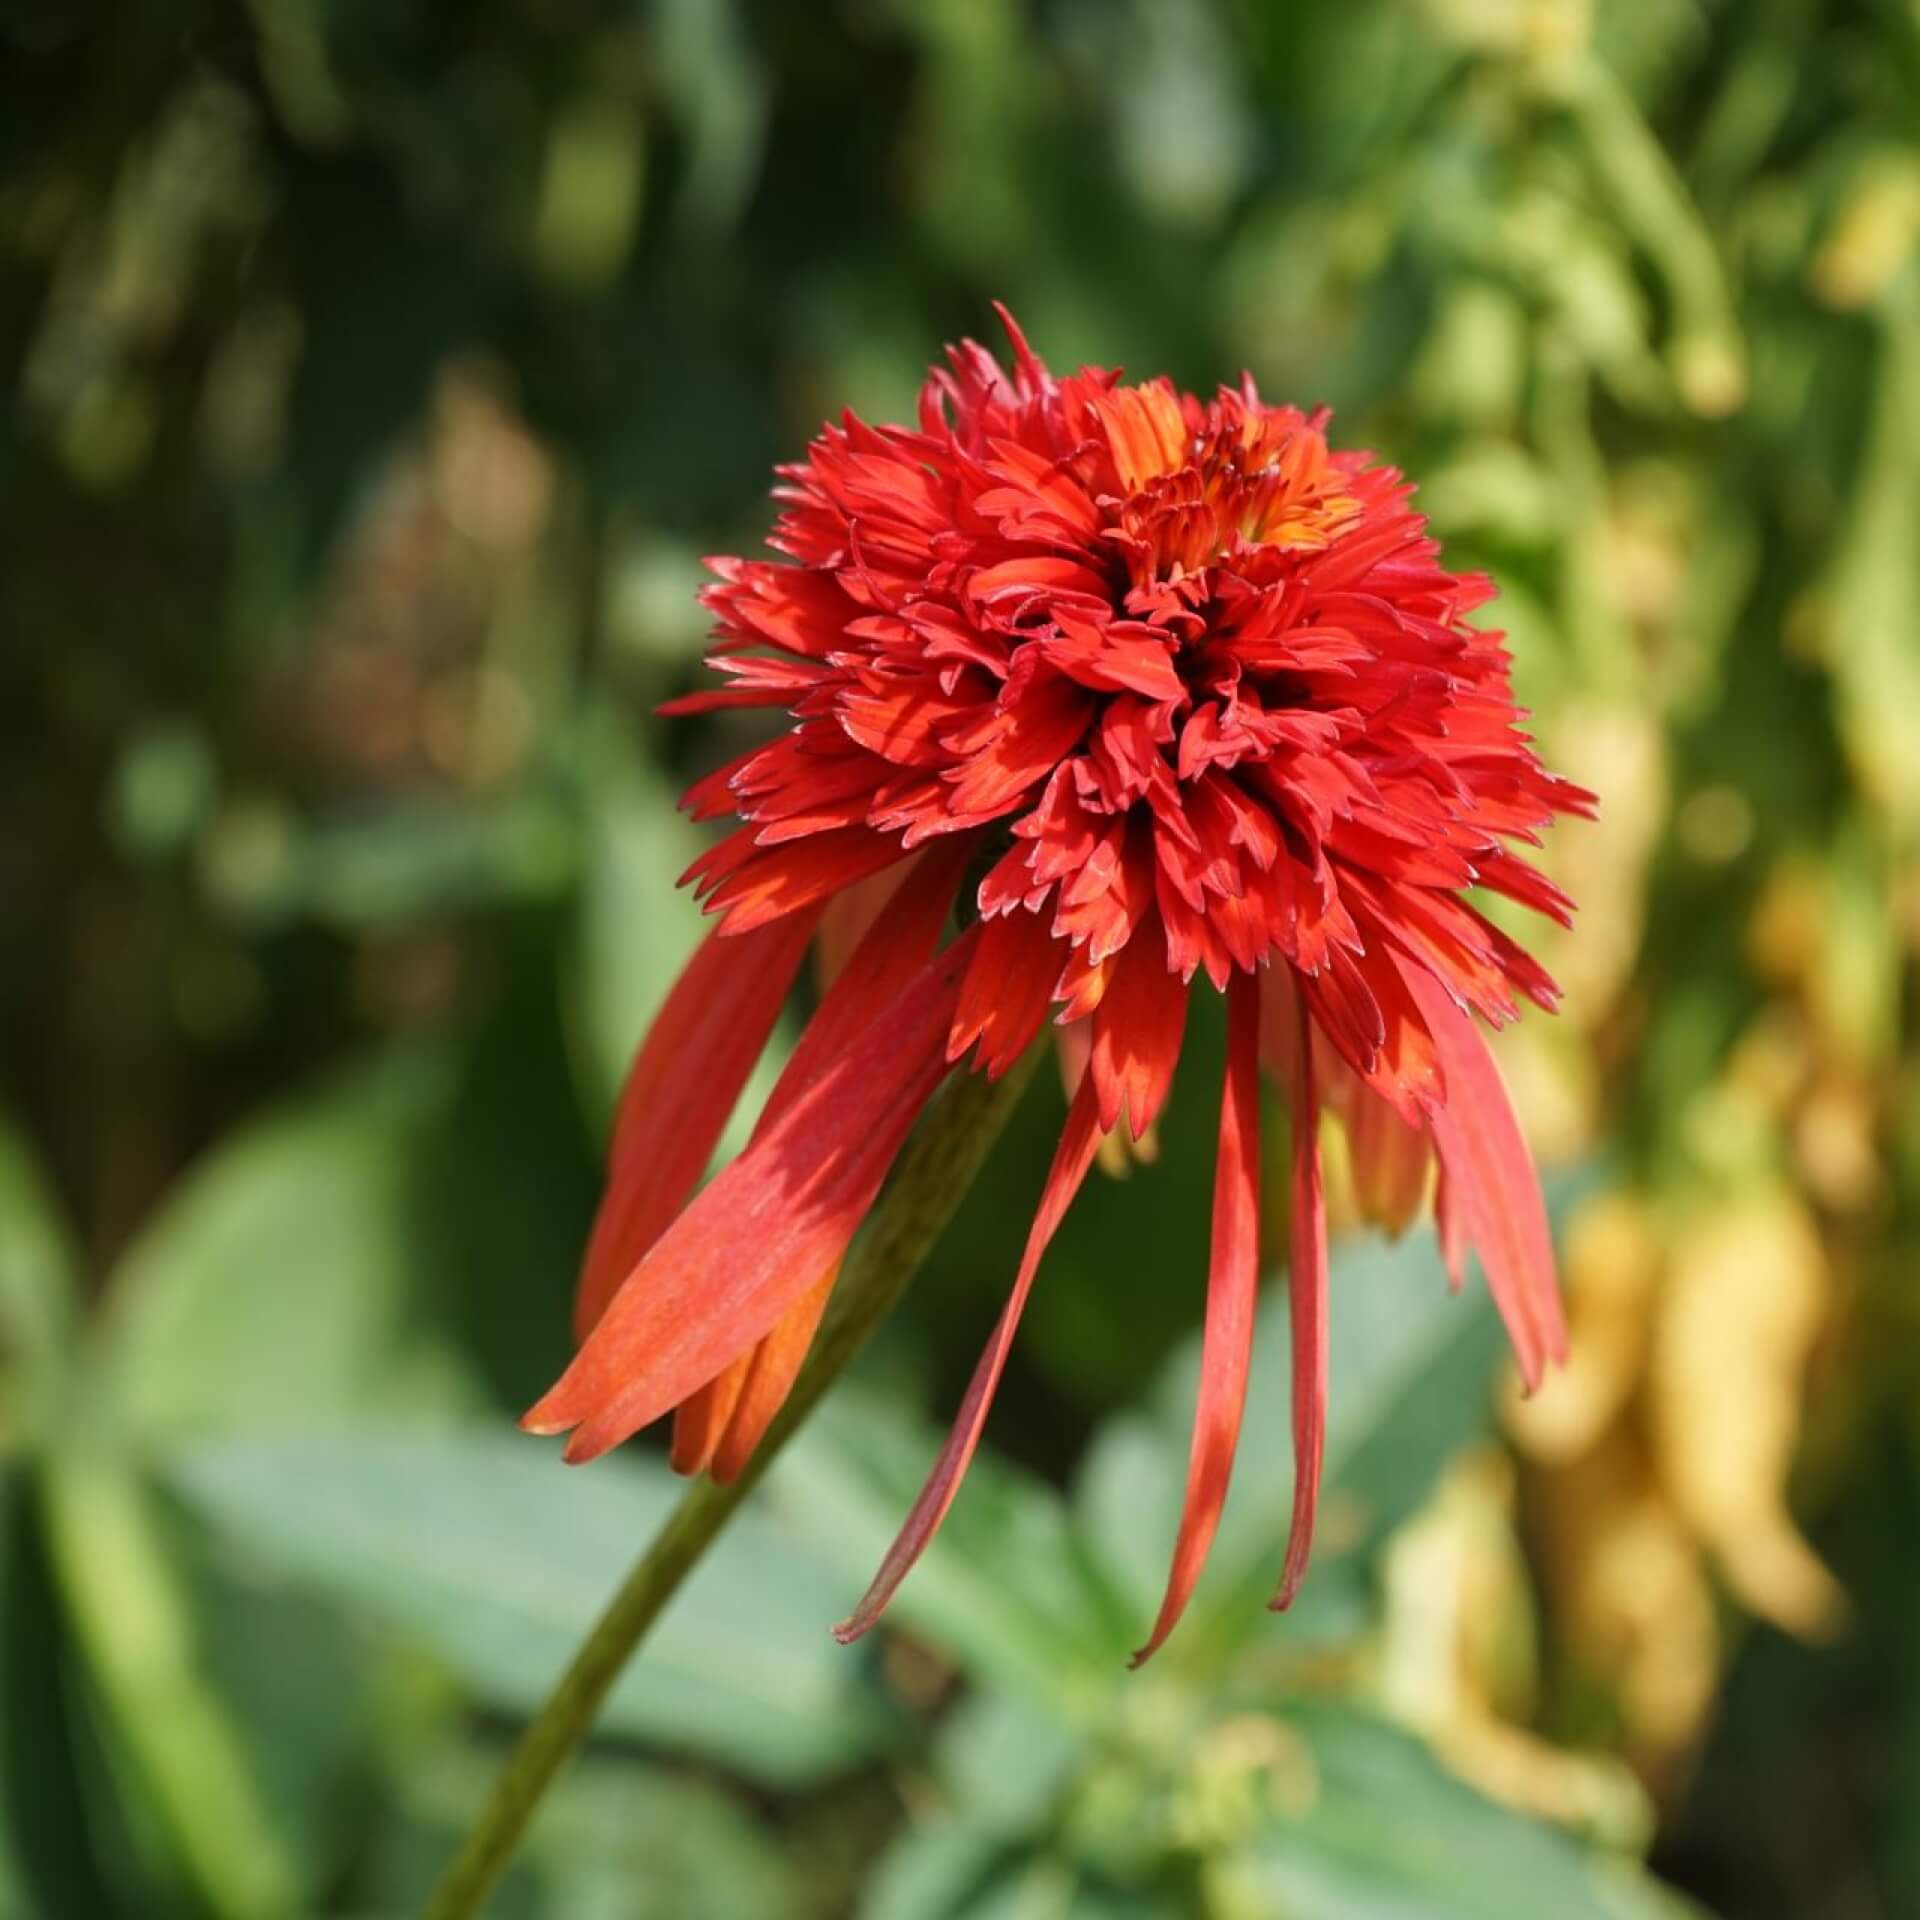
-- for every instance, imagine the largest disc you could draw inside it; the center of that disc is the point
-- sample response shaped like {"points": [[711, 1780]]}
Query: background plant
{"points": [[374, 378]]}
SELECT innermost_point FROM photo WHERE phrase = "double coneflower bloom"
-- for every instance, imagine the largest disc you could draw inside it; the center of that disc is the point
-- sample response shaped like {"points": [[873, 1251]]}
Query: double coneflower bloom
{"points": [[1132, 689]]}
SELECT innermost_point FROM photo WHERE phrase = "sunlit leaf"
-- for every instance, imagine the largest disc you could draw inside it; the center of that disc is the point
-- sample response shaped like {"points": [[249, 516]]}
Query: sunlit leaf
{"points": [[1370, 1827], [484, 1549], [182, 1752], [615, 1839], [280, 1282]]}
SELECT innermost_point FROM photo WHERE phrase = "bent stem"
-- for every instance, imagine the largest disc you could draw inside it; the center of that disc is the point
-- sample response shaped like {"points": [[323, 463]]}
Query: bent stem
{"points": [[939, 1165]]}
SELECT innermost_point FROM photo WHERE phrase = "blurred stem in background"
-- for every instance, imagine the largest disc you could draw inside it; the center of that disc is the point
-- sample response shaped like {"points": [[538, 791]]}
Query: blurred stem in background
{"points": [[939, 1166]]}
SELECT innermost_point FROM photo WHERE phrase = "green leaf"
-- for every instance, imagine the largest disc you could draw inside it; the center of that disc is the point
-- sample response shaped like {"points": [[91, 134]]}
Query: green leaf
{"points": [[280, 1284], [296, 1679], [1005, 1761], [45, 1863], [932, 1872], [182, 1750], [615, 1839], [1370, 1827], [487, 1550], [953, 1870]]}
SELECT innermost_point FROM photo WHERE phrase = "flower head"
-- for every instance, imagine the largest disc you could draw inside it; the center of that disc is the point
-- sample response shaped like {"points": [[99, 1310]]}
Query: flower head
{"points": [[1149, 690]]}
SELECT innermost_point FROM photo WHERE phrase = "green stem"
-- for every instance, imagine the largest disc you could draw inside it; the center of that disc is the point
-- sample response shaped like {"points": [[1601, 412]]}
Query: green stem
{"points": [[939, 1165]]}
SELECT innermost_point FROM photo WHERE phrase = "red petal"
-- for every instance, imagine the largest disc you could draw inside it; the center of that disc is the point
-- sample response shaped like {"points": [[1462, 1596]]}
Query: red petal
{"points": [[1136, 1034], [757, 884], [1307, 1311], [1232, 1282], [680, 1092], [1008, 990], [722, 700], [1492, 1191], [904, 910], [1078, 1143], [895, 947], [848, 918], [700, 1421], [762, 1232], [774, 1367], [1081, 987], [1016, 747]]}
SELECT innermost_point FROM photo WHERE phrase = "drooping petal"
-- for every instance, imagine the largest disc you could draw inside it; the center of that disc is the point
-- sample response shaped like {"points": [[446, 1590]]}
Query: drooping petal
{"points": [[903, 917], [1492, 1191], [680, 1093], [897, 944], [1390, 1161], [1137, 1029], [1007, 991], [700, 1420], [1071, 1159], [1307, 1310], [1233, 1281], [771, 1372], [847, 919], [762, 1232], [1073, 1047]]}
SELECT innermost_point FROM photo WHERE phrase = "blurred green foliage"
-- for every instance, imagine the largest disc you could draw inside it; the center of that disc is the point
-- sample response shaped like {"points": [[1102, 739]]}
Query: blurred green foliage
{"points": [[374, 377]]}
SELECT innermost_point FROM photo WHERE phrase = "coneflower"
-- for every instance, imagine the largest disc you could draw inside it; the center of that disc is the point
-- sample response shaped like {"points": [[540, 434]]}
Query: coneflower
{"points": [[1134, 689]]}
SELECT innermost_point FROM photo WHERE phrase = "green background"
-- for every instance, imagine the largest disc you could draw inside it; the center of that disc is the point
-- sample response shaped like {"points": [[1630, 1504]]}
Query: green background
{"points": [[375, 374]]}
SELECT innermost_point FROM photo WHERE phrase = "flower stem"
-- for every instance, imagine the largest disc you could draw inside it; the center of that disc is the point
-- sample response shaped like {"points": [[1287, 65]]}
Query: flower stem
{"points": [[939, 1165]]}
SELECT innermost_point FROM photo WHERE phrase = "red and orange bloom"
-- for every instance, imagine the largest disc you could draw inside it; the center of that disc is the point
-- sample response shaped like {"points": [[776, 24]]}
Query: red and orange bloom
{"points": [[1138, 689]]}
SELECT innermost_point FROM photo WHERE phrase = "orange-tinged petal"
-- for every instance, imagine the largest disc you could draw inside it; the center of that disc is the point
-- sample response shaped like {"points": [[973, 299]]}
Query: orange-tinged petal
{"points": [[762, 1232], [680, 1092], [1307, 1310], [898, 916], [1232, 1283], [775, 1365], [1146, 430], [700, 1420], [903, 912], [1074, 1155]]}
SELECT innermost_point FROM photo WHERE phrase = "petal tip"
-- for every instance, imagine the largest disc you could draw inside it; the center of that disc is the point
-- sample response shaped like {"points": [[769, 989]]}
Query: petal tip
{"points": [[546, 1419], [583, 1444]]}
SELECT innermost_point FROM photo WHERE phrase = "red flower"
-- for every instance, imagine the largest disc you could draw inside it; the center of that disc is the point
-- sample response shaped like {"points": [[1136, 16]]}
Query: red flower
{"points": [[1150, 687]]}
